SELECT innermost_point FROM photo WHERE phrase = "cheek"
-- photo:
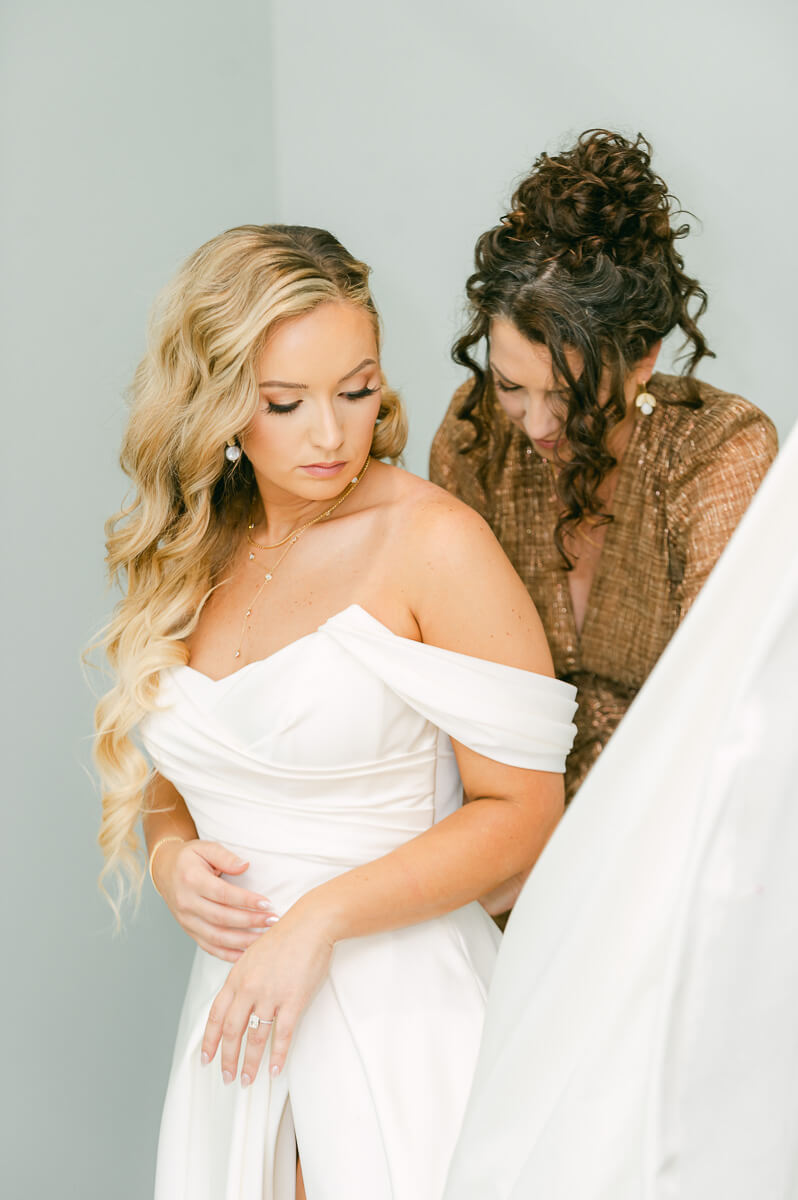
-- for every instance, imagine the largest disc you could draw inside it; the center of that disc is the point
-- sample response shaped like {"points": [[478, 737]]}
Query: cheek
{"points": [[370, 411], [269, 436], [512, 405]]}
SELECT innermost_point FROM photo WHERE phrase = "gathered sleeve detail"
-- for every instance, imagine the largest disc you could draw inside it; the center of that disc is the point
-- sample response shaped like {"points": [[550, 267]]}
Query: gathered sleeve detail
{"points": [[507, 714], [717, 473]]}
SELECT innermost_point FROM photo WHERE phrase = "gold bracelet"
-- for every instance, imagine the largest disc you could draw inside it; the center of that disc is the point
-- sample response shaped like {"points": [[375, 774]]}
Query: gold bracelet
{"points": [[173, 837]]}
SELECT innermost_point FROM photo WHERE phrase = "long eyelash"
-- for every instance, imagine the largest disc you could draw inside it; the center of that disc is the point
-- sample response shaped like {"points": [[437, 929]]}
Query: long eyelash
{"points": [[504, 387], [366, 391], [281, 408]]}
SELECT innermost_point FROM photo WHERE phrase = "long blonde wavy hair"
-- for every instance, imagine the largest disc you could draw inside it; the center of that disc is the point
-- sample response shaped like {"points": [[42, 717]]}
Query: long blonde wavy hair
{"points": [[195, 390]]}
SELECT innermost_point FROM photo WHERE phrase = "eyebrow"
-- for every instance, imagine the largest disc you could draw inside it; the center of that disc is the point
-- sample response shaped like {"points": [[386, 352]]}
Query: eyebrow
{"points": [[506, 378], [281, 383]]}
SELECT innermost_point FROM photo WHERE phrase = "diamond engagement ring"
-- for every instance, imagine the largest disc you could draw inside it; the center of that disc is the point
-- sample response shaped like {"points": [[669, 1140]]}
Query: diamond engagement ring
{"points": [[254, 1021]]}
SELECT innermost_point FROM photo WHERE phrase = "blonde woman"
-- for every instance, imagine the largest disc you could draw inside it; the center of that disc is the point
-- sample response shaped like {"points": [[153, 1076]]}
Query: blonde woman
{"points": [[322, 655]]}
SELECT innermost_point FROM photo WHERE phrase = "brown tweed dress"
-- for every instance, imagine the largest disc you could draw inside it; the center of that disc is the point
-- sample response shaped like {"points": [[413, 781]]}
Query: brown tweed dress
{"points": [[684, 481]]}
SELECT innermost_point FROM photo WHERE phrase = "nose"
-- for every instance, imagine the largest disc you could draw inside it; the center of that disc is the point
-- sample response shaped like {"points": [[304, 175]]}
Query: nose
{"points": [[539, 423], [327, 431]]}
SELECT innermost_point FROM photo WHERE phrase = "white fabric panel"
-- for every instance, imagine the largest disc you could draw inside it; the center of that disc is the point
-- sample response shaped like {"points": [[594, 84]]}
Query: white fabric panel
{"points": [[641, 1038]]}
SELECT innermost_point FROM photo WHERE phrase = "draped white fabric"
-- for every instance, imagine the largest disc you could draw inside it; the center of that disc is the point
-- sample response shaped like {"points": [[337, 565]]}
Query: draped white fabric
{"points": [[326, 755], [641, 1036]]}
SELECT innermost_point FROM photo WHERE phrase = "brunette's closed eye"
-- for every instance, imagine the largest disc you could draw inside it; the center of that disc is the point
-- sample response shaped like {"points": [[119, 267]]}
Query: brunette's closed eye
{"points": [[507, 387]]}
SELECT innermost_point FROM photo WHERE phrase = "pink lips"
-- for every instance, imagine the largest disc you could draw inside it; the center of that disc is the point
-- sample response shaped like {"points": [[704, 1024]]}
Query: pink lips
{"points": [[323, 470]]}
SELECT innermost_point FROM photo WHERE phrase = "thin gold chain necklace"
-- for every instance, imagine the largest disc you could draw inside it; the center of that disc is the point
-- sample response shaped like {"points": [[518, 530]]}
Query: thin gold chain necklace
{"points": [[275, 545], [292, 539]]}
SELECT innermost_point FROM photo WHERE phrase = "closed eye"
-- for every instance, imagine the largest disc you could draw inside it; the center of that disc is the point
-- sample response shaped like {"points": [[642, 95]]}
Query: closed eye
{"points": [[359, 395], [282, 408]]}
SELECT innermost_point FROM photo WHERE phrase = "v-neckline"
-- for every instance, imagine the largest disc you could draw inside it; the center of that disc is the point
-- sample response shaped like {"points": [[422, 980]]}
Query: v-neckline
{"points": [[593, 601]]}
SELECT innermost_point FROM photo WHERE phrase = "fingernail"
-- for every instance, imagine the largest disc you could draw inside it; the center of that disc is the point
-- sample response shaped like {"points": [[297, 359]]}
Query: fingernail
{"points": [[264, 904], [271, 921], [227, 1077], [275, 1070], [205, 1058], [241, 862], [245, 1081]]}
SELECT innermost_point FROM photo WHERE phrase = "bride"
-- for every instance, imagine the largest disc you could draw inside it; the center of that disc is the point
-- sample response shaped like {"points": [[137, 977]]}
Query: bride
{"points": [[324, 657]]}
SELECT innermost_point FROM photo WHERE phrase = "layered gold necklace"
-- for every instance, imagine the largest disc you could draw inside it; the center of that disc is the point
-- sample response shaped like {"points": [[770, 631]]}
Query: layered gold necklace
{"points": [[289, 541]]}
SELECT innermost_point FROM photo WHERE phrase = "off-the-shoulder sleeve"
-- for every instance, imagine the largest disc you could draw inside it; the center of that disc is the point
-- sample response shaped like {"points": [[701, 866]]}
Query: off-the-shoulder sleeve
{"points": [[718, 474], [458, 473], [507, 714]]}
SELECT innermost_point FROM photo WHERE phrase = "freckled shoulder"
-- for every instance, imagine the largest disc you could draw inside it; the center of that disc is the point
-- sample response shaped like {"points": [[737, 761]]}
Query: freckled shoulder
{"points": [[427, 515], [460, 586]]}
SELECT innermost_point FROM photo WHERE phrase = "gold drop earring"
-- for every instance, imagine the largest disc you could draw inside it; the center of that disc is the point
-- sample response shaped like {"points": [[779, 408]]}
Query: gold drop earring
{"points": [[645, 401]]}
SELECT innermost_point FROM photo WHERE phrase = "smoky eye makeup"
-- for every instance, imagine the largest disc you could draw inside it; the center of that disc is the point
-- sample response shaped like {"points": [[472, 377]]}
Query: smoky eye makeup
{"points": [[271, 407], [361, 393]]}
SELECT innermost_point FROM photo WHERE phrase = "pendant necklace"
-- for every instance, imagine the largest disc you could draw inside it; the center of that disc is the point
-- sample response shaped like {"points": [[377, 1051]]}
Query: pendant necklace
{"points": [[291, 539]]}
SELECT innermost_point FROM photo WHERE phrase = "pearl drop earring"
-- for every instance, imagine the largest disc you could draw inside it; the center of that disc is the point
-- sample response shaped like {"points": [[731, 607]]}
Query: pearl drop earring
{"points": [[232, 452], [645, 401]]}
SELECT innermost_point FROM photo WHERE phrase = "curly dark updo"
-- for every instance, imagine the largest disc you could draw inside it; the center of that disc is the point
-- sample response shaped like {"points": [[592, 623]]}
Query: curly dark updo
{"points": [[586, 260]]}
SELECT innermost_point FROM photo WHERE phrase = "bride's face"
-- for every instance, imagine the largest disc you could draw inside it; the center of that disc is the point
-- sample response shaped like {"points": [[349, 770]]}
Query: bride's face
{"points": [[319, 382]]}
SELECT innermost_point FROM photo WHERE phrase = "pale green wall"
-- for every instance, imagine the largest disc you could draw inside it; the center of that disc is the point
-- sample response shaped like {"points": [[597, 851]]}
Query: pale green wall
{"points": [[412, 121], [131, 133]]}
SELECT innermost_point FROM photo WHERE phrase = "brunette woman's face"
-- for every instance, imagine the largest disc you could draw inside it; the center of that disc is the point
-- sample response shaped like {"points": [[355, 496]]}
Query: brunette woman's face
{"points": [[525, 384], [523, 378], [319, 383]]}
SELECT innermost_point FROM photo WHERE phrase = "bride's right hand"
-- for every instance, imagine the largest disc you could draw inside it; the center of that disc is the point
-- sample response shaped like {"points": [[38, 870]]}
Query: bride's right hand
{"points": [[221, 918]]}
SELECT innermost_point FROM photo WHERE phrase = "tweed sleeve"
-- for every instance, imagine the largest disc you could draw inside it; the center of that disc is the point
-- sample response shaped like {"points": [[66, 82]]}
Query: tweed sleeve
{"points": [[719, 472], [449, 468]]}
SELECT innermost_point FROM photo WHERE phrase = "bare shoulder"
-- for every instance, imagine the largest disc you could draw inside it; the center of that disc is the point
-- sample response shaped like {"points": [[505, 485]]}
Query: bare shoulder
{"points": [[424, 514], [462, 589]]}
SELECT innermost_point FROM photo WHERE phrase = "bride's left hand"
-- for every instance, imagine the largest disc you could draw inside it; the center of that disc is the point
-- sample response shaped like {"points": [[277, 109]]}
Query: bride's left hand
{"points": [[275, 978]]}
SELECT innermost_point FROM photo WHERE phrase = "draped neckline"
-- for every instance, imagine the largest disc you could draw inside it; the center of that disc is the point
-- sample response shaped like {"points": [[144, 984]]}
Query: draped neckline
{"points": [[357, 610]]}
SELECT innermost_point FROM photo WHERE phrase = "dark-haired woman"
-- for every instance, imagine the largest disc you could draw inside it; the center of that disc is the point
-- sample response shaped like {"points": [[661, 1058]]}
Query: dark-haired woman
{"points": [[613, 490]]}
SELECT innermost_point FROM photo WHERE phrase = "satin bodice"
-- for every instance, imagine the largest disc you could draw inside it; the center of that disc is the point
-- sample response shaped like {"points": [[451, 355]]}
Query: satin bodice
{"points": [[336, 749]]}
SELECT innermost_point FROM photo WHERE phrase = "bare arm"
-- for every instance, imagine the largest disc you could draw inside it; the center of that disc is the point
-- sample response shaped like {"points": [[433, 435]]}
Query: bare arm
{"points": [[165, 815], [465, 597]]}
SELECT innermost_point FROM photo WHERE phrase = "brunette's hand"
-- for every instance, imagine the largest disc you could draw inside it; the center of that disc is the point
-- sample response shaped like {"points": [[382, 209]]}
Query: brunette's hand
{"points": [[221, 918], [274, 979]]}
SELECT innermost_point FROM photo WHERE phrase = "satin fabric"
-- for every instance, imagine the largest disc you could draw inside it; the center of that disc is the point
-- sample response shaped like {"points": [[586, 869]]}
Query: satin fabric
{"points": [[641, 1037], [331, 753]]}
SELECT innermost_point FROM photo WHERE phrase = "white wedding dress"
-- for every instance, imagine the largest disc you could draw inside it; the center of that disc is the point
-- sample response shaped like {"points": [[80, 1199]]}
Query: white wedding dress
{"points": [[329, 754], [641, 1037]]}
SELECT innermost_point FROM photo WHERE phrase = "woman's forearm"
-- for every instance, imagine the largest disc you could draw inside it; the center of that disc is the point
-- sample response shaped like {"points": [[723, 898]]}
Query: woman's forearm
{"points": [[503, 897], [471, 853], [165, 814]]}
